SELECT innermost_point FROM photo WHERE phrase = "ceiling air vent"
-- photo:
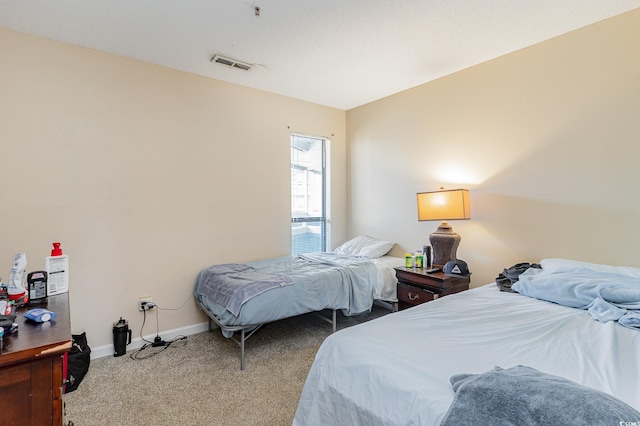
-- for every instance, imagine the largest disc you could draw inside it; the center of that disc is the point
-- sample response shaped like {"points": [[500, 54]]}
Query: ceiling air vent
{"points": [[231, 62]]}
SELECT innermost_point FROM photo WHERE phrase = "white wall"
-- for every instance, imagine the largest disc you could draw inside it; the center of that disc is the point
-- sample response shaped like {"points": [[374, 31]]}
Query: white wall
{"points": [[145, 175], [547, 139]]}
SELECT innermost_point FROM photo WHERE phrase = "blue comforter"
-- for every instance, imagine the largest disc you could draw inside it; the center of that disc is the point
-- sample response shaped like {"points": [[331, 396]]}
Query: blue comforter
{"points": [[607, 296], [233, 284], [313, 282]]}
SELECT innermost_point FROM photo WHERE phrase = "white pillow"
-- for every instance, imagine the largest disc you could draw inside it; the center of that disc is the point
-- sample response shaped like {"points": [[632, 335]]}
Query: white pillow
{"points": [[365, 246], [552, 265]]}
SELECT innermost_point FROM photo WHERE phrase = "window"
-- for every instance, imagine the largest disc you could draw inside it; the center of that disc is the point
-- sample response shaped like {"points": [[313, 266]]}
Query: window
{"points": [[308, 194]]}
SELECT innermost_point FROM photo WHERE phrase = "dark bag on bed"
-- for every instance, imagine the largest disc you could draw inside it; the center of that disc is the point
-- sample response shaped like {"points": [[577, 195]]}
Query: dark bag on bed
{"points": [[79, 358], [510, 275]]}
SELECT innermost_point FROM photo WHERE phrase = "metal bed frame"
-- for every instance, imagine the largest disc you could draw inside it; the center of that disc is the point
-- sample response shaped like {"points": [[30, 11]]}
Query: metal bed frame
{"points": [[246, 331]]}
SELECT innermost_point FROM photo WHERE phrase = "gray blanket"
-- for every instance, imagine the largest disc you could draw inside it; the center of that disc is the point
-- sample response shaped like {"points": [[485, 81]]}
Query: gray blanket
{"points": [[233, 284], [525, 396]]}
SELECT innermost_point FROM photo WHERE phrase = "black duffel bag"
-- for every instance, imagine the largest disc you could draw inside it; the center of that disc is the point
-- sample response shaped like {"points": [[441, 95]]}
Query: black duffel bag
{"points": [[79, 358]]}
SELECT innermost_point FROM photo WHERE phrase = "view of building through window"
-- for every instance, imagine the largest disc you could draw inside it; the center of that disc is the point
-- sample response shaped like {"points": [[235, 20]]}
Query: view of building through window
{"points": [[308, 194]]}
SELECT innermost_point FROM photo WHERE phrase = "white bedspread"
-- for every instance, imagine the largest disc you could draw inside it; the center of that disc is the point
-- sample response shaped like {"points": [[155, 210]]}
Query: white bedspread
{"points": [[395, 370]]}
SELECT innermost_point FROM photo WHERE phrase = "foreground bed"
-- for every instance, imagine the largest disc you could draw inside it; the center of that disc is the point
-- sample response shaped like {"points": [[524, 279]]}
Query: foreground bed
{"points": [[293, 285], [396, 370]]}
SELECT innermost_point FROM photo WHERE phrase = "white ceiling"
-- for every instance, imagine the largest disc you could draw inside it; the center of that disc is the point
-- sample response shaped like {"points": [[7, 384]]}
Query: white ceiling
{"points": [[339, 53]]}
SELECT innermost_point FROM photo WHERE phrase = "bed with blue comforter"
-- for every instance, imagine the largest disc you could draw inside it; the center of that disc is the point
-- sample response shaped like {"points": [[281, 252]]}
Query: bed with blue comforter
{"points": [[563, 349], [240, 297]]}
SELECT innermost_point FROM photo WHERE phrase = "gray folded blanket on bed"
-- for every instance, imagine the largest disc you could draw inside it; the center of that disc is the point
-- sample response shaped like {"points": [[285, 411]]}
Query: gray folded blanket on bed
{"points": [[233, 284], [525, 396]]}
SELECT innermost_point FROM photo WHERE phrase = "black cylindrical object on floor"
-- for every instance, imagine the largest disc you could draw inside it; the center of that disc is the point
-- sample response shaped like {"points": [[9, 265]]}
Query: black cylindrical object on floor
{"points": [[121, 337]]}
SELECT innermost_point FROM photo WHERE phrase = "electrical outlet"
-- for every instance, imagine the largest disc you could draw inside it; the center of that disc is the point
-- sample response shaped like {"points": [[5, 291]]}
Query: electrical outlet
{"points": [[145, 303]]}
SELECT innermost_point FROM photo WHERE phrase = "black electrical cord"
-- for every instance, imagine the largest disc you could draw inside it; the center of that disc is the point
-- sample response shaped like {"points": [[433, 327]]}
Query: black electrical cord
{"points": [[155, 348], [158, 344]]}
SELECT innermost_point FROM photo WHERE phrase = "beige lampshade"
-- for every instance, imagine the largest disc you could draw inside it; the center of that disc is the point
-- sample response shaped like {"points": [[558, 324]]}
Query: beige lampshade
{"points": [[444, 205]]}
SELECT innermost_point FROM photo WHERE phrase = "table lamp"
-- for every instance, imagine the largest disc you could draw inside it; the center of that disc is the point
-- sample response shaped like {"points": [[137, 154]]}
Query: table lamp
{"points": [[444, 205]]}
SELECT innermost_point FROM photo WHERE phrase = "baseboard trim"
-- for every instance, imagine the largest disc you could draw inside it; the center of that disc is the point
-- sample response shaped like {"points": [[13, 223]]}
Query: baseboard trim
{"points": [[107, 350]]}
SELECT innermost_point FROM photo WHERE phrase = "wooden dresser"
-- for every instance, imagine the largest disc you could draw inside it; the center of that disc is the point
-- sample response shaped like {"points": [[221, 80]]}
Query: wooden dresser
{"points": [[31, 363]]}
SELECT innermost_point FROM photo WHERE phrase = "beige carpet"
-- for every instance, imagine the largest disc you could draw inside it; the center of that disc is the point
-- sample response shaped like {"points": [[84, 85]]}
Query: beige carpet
{"points": [[200, 382]]}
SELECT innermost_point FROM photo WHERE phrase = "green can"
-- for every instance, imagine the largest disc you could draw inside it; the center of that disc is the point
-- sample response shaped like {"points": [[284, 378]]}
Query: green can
{"points": [[408, 260]]}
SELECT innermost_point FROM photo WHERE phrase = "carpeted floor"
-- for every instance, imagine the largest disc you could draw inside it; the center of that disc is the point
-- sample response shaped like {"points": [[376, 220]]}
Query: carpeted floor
{"points": [[199, 382]]}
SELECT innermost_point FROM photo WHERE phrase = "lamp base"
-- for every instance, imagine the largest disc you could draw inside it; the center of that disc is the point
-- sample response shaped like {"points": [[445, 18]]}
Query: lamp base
{"points": [[445, 244]]}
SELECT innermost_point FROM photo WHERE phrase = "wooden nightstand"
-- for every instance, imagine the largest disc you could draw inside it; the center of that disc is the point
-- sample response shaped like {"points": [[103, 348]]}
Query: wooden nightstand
{"points": [[415, 286]]}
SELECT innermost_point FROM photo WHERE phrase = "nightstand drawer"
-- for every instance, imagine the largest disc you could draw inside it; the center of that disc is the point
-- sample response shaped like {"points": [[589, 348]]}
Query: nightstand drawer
{"points": [[410, 295]]}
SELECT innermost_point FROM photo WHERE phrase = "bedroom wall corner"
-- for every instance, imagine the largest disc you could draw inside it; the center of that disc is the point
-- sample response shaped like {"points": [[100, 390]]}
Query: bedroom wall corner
{"points": [[145, 175], [545, 138]]}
